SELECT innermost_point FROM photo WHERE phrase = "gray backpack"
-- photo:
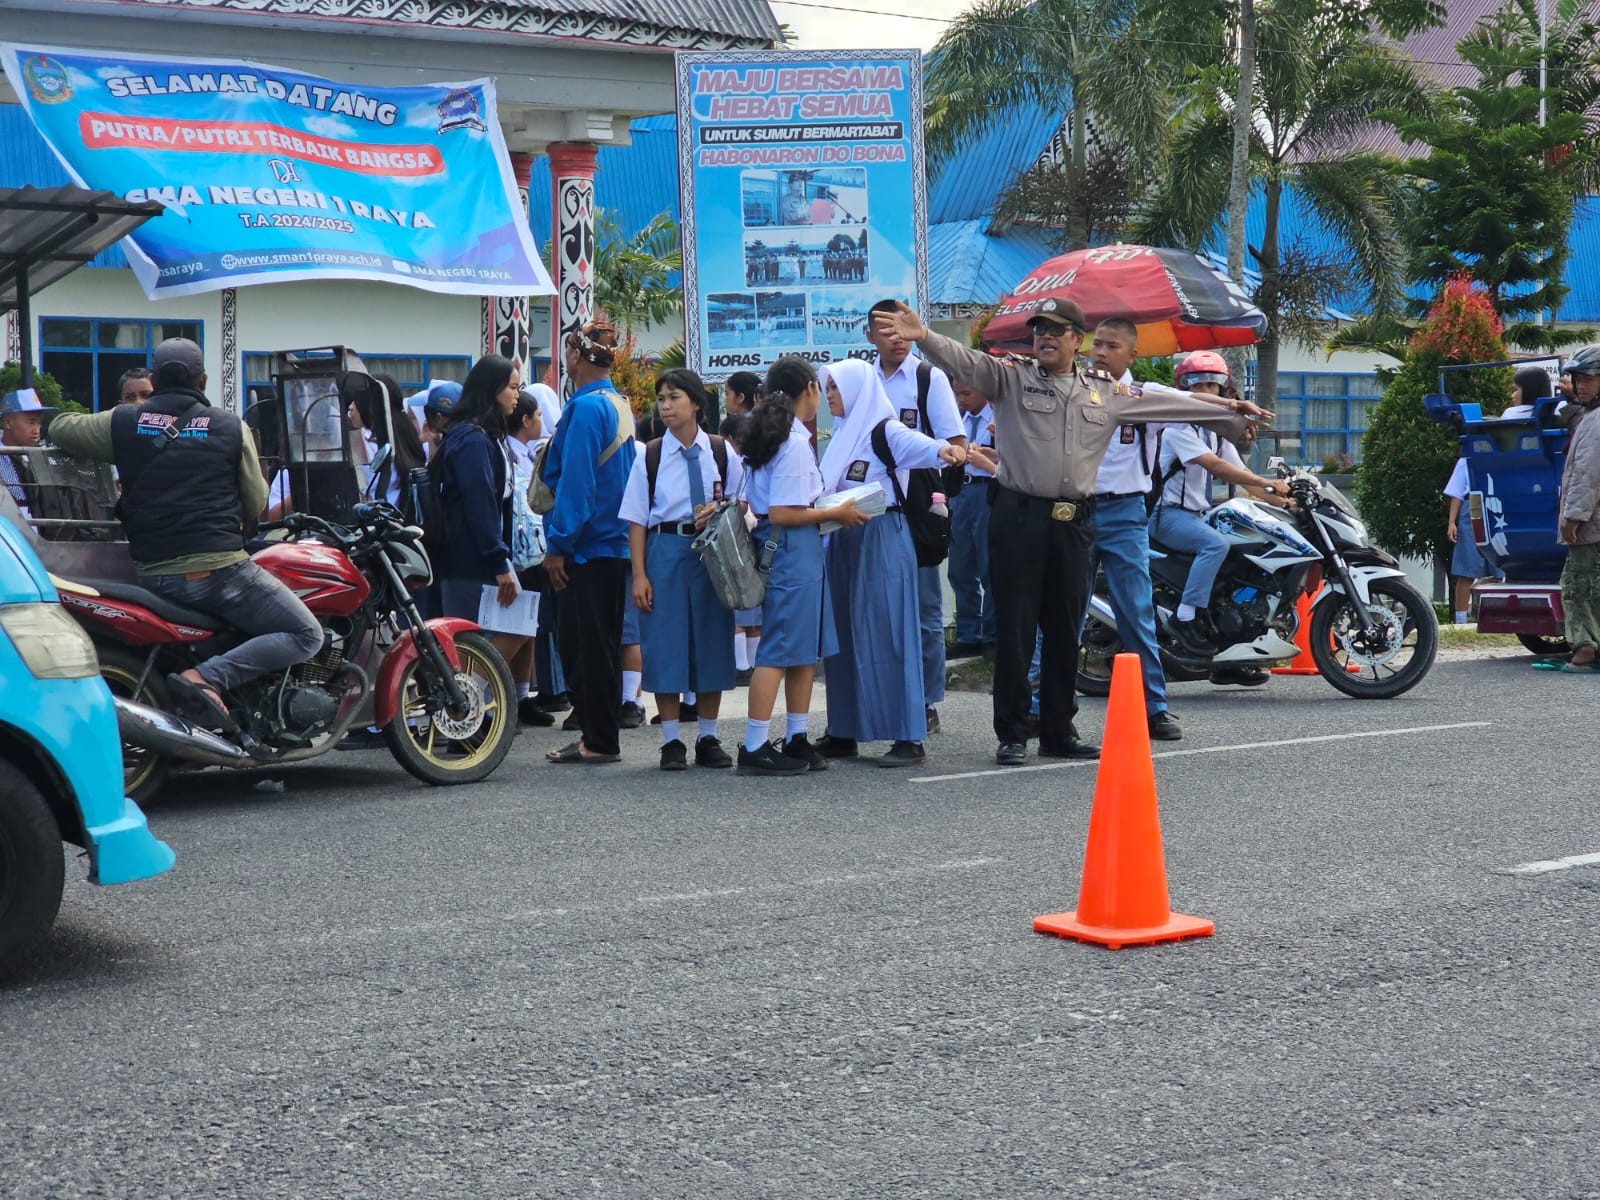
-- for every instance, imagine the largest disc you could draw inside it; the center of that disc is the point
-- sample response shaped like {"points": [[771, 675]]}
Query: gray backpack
{"points": [[738, 569]]}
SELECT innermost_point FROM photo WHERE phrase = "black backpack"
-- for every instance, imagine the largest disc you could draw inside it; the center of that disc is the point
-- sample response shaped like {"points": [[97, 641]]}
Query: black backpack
{"points": [[930, 533], [421, 503], [652, 464]]}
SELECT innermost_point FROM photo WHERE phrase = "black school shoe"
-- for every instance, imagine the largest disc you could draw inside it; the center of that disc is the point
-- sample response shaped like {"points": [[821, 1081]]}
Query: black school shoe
{"points": [[904, 754], [800, 747], [708, 752], [1192, 638], [1243, 676], [1011, 754], [1164, 727], [630, 715], [572, 724], [837, 747], [529, 713], [686, 713], [559, 702], [1073, 747], [768, 760], [674, 756]]}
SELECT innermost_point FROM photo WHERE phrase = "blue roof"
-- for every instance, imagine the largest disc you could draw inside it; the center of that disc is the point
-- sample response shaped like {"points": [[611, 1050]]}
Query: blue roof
{"points": [[635, 182], [968, 266], [968, 183]]}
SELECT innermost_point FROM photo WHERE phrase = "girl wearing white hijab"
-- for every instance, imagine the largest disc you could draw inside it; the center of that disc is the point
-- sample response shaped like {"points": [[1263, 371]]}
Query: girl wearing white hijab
{"points": [[875, 679]]}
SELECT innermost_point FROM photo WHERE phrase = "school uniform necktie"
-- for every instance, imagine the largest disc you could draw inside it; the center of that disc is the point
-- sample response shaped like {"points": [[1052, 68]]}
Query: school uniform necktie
{"points": [[697, 486], [972, 428]]}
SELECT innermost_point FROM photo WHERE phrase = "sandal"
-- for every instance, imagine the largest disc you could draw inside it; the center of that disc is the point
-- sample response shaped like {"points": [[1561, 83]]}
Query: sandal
{"points": [[1554, 662], [1592, 667], [573, 753], [201, 699]]}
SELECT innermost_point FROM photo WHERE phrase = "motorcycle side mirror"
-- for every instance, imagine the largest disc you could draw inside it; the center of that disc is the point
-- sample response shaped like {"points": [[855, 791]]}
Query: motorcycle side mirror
{"points": [[1277, 463]]}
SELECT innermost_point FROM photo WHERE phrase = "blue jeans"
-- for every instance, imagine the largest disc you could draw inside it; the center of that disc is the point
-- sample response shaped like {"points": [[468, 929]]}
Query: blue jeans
{"points": [[254, 602], [1122, 546], [1188, 533], [969, 564], [930, 613]]}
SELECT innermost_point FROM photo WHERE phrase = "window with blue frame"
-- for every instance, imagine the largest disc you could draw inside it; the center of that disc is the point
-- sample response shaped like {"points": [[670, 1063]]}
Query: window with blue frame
{"points": [[87, 355], [411, 371], [1321, 417]]}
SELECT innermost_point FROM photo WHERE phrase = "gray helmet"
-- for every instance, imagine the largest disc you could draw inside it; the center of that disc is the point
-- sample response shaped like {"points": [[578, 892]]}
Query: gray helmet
{"points": [[1584, 362]]}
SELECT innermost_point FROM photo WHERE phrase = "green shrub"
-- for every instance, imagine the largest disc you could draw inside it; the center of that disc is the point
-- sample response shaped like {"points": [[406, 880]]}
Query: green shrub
{"points": [[43, 383]]}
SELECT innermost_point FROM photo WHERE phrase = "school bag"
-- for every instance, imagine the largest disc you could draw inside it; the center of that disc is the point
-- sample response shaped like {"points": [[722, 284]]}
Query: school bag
{"points": [[652, 463], [930, 533], [735, 564], [528, 546], [541, 499]]}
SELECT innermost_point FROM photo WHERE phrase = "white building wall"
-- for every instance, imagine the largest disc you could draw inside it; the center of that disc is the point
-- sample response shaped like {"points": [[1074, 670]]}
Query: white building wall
{"points": [[97, 292]]}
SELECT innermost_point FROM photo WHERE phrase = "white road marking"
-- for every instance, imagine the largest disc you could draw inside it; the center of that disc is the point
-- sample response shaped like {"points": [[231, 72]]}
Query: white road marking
{"points": [[1300, 741], [1552, 864]]}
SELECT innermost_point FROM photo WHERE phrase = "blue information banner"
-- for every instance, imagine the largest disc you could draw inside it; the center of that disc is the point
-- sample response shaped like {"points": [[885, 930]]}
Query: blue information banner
{"points": [[270, 175], [804, 201]]}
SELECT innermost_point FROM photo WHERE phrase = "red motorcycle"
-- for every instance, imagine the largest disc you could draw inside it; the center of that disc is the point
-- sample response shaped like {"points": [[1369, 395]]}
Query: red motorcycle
{"points": [[439, 690]]}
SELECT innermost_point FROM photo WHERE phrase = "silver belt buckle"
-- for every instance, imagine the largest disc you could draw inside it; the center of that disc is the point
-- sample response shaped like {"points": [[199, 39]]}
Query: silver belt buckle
{"points": [[1063, 510]]}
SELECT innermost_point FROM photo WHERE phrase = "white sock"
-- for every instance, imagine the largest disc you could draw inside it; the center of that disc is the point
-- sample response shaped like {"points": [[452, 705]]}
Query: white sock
{"points": [[1461, 618], [669, 731], [741, 651], [687, 698], [706, 727], [522, 691], [795, 723], [756, 734], [752, 642], [630, 686], [1186, 612]]}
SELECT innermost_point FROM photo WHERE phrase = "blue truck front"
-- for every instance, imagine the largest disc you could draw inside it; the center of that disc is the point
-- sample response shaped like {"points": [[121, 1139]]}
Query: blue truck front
{"points": [[60, 757]]}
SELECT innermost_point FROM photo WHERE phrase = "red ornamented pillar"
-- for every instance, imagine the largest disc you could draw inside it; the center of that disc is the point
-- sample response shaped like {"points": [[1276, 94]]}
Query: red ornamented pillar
{"points": [[504, 324], [572, 167]]}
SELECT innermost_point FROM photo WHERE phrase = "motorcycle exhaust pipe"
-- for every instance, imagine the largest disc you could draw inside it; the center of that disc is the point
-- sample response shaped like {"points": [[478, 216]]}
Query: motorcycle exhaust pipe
{"points": [[164, 734]]}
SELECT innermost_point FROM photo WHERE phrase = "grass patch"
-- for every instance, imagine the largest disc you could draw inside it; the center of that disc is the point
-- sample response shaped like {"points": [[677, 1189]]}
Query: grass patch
{"points": [[1451, 638]]}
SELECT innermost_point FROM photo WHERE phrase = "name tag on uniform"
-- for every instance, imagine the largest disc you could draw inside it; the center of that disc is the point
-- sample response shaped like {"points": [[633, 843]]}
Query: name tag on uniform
{"points": [[716, 490], [908, 417], [1130, 434], [857, 472]]}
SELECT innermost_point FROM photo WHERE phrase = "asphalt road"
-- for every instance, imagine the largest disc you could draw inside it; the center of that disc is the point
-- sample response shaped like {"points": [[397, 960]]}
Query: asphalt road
{"points": [[605, 982]]}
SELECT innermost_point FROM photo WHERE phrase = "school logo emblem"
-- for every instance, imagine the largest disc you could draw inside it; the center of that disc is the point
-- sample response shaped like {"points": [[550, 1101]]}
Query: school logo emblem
{"points": [[47, 80], [1129, 434], [857, 472], [459, 110], [908, 417]]}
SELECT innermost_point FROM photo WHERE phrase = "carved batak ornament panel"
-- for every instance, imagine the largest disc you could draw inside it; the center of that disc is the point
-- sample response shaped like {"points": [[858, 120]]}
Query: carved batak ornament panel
{"points": [[575, 254]]}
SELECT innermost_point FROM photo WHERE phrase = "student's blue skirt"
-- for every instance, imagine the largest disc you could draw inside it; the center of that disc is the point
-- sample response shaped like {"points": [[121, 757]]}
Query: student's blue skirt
{"points": [[747, 618], [796, 619], [875, 680], [1466, 560], [630, 618], [687, 638]]}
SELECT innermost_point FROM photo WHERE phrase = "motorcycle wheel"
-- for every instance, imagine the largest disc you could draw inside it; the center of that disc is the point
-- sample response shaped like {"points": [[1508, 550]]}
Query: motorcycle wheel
{"points": [[144, 772], [1409, 633], [1098, 647], [439, 749], [1538, 643]]}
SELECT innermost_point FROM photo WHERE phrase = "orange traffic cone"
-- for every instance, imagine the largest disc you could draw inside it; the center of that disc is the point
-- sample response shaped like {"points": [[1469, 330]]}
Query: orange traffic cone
{"points": [[1303, 663], [1122, 899]]}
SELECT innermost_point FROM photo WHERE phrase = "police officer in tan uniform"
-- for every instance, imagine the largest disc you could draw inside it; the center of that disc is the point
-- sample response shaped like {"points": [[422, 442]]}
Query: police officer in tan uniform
{"points": [[1053, 422]]}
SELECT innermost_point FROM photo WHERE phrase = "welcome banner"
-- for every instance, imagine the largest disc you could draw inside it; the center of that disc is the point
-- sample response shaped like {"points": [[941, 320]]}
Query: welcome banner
{"points": [[270, 175]]}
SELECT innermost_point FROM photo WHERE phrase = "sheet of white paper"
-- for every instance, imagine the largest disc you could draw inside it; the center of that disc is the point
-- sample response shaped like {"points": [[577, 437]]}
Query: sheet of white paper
{"points": [[520, 617], [869, 498]]}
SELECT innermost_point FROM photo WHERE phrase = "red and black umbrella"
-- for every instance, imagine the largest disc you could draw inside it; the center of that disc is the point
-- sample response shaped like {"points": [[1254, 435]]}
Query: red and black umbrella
{"points": [[1177, 300]]}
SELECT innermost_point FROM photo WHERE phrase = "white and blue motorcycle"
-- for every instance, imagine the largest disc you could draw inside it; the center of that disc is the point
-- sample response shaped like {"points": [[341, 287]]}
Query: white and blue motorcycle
{"points": [[1372, 635]]}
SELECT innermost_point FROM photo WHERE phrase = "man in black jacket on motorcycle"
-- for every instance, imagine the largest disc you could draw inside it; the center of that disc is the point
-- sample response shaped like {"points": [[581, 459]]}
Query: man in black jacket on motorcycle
{"points": [[191, 487]]}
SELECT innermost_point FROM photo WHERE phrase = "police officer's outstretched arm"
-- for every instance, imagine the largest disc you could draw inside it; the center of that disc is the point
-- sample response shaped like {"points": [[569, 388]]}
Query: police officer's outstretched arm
{"points": [[963, 364]]}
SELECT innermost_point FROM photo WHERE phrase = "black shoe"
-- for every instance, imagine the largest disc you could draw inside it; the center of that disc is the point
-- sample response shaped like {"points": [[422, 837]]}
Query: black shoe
{"points": [[572, 724], [630, 716], [1243, 676], [904, 754], [742, 678], [800, 747], [674, 756], [1192, 639], [686, 713], [966, 650], [768, 760], [708, 752], [529, 713], [933, 719], [559, 702], [361, 739], [1073, 747], [1011, 754], [1164, 727], [837, 747]]}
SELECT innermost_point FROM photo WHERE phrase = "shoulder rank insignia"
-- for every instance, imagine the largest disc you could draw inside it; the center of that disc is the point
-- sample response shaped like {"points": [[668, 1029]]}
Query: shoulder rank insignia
{"points": [[1121, 389]]}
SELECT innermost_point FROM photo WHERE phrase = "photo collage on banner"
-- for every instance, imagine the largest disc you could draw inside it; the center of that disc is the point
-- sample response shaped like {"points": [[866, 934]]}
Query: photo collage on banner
{"points": [[270, 175], [804, 201]]}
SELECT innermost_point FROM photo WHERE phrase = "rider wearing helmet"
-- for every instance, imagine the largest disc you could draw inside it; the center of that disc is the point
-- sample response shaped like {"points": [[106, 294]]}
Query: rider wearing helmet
{"points": [[1187, 459]]}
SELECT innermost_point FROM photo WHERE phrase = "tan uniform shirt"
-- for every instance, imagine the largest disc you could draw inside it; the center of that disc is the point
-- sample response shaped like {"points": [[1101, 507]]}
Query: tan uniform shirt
{"points": [[1053, 430]]}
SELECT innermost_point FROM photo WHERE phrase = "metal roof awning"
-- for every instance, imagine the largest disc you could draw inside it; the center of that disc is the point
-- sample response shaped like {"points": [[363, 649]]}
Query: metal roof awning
{"points": [[46, 233]]}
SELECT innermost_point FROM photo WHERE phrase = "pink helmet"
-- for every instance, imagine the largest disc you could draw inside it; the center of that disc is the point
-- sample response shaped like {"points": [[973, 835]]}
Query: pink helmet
{"points": [[1203, 366]]}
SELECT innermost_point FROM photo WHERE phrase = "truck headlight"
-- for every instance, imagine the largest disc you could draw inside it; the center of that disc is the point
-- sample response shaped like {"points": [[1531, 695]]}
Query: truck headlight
{"points": [[51, 644]]}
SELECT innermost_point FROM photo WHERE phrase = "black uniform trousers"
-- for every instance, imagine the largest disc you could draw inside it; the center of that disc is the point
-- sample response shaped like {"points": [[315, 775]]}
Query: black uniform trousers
{"points": [[589, 626], [1039, 570]]}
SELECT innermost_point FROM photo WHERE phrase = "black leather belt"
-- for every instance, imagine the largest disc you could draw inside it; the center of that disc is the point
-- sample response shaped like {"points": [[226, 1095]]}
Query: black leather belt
{"points": [[1108, 497], [1066, 509], [678, 528], [970, 478]]}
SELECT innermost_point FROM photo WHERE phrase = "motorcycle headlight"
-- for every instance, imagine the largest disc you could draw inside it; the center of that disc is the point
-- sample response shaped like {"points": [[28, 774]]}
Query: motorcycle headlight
{"points": [[51, 644]]}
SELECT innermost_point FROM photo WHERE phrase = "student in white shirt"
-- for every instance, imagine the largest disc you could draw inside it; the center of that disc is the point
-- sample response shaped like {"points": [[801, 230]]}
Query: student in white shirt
{"points": [[969, 533], [939, 416], [686, 635]]}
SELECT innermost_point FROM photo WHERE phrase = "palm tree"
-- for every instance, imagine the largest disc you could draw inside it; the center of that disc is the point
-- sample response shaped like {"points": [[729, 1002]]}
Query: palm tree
{"points": [[1318, 92], [633, 282], [1084, 59]]}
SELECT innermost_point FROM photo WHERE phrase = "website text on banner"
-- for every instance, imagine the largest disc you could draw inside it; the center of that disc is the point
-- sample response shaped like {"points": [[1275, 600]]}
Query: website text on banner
{"points": [[804, 201], [271, 175]]}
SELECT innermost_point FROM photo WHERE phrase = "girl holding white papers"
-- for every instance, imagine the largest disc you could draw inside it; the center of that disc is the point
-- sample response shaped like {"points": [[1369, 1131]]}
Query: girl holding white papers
{"points": [[797, 626], [685, 634], [875, 679]]}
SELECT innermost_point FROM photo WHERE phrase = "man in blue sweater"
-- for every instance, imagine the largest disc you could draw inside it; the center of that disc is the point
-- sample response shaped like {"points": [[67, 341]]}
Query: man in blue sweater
{"points": [[587, 468]]}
